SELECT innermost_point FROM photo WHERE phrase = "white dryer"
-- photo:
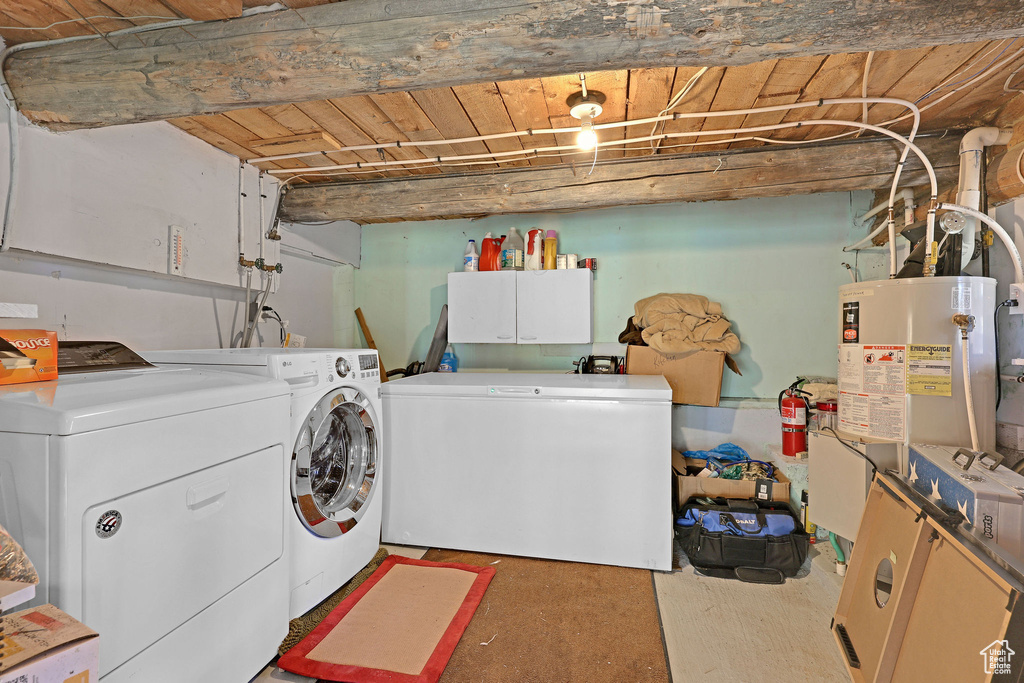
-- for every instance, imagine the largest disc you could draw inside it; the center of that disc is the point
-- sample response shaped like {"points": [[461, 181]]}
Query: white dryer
{"points": [[149, 501], [335, 478]]}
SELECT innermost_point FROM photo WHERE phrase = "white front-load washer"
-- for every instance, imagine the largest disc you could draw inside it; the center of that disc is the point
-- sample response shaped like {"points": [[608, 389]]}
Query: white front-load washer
{"points": [[335, 477], [149, 501]]}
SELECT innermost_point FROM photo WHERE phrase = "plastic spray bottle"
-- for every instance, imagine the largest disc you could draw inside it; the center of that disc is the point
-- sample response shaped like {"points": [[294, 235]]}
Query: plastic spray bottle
{"points": [[534, 259]]}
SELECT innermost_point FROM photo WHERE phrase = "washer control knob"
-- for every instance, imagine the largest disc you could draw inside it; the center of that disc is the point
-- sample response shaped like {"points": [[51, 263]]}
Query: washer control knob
{"points": [[343, 368]]}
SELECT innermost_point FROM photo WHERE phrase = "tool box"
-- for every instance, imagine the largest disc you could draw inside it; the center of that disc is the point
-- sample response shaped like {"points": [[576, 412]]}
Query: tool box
{"points": [[988, 495]]}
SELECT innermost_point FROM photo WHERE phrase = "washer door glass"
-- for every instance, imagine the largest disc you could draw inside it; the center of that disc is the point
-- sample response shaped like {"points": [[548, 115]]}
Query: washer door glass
{"points": [[335, 463]]}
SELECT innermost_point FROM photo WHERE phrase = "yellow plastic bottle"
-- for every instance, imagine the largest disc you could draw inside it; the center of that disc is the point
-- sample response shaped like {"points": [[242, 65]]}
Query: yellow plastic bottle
{"points": [[550, 250]]}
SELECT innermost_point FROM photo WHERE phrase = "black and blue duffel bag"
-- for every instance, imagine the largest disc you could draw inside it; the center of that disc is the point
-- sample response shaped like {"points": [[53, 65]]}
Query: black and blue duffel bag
{"points": [[755, 541]]}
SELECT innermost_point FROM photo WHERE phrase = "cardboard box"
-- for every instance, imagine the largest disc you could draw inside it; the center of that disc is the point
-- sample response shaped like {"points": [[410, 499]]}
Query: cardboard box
{"points": [[695, 378], [27, 356], [689, 485], [45, 644]]}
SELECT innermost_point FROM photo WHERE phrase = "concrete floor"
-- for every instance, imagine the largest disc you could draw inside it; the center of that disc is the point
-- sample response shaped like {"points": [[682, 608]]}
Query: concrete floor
{"points": [[723, 630]]}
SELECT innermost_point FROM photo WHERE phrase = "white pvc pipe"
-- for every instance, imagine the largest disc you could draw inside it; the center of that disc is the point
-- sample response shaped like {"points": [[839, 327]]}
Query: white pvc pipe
{"points": [[259, 191], [248, 293], [972, 150], [965, 349], [907, 195], [891, 224], [1018, 266], [241, 210], [866, 242], [875, 210]]}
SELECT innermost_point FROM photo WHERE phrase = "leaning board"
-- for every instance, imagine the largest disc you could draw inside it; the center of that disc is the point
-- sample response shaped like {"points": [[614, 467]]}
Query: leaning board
{"points": [[949, 600]]}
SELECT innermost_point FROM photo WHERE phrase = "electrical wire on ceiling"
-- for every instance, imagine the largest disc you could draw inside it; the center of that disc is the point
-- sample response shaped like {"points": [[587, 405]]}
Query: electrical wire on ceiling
{"points": [[864, 88], [980, 77], [947, 84], [677, 115], [675, 101], [778, 126], [478, 138]]}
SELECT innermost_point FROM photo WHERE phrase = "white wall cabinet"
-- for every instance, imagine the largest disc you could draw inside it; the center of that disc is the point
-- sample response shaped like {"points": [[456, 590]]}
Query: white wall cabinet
{"points": [[482, 307], [521, 307]]}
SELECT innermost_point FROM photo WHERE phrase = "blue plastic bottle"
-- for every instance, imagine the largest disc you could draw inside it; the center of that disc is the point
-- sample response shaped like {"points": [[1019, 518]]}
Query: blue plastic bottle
{"points": [[449, 363]]}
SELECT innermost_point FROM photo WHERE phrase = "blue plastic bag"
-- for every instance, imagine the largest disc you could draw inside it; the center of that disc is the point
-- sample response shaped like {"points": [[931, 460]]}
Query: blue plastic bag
{"points": [[726, 452]]}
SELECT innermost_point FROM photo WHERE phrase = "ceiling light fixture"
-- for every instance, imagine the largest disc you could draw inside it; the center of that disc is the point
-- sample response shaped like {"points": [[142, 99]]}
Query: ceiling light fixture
{"points": [[585, 106]]}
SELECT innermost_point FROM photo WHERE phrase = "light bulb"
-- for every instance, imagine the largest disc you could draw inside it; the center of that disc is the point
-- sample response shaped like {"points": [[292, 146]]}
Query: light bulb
{"points": [[587, 138]]}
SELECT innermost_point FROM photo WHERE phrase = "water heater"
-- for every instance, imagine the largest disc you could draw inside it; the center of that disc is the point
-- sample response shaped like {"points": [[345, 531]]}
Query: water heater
{"points": [[900, 360]]}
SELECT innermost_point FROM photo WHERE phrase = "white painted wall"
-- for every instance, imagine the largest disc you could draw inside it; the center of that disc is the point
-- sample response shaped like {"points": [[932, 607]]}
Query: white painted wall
{"points": [[89, 242]]}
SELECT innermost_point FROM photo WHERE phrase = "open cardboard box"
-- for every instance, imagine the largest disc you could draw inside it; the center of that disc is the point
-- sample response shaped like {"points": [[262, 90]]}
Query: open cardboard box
{"points": [[695, 378], [45, 644], [689, 485]]}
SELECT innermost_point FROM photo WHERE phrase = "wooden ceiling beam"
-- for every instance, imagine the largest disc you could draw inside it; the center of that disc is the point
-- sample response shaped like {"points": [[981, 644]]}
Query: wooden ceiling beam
{"points": [[836, 167], [366, 46]]}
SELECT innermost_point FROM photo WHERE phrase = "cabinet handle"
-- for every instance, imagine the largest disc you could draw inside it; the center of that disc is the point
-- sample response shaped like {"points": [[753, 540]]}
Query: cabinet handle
{"points": [[525, 338], [504, 336]]}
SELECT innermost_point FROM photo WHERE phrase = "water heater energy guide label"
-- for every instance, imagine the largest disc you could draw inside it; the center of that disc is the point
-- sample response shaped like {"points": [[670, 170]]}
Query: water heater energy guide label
{"points": [[930, 369], [873, 390]]}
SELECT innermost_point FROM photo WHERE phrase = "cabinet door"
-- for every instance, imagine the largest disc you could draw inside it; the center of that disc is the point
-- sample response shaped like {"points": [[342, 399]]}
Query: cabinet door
{"points": [[555, 306], [482, 307]]}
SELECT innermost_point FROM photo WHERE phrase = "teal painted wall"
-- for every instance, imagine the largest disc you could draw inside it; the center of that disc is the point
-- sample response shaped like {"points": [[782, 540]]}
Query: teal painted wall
{"points": [[774, 264]]}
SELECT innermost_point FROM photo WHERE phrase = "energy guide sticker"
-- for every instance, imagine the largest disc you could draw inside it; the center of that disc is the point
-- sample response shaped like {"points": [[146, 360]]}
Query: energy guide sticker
{"points": [[930, 369]]}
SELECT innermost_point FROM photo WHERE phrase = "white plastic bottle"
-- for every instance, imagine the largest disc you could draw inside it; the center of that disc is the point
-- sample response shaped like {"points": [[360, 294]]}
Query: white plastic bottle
{"points": [[472, 257], [512, 251]]}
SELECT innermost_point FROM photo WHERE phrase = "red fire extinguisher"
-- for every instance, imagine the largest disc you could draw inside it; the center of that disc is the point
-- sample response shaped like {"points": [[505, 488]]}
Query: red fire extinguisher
{"points": [[793, 409]]}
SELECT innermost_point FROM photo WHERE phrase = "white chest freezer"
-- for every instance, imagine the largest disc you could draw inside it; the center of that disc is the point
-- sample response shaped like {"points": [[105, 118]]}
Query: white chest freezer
{"points": [[565, 467]]}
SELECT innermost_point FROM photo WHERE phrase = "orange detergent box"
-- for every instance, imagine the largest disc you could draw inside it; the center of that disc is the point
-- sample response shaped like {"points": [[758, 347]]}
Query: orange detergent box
{"points": [[27, 356]]}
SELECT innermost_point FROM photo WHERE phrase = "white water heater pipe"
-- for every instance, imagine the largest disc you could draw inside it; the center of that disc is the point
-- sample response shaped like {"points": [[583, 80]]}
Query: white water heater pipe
{"points": [[972, 150]]}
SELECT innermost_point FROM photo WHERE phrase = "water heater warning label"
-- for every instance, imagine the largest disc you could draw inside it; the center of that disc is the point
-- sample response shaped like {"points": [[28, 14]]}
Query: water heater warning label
{"points": [[872, 390], [851, 322], [930, 369]]}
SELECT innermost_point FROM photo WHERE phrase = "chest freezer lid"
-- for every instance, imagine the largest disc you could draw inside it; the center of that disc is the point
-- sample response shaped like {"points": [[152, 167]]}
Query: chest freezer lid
{"points": [[533, 386], [73, 404]]}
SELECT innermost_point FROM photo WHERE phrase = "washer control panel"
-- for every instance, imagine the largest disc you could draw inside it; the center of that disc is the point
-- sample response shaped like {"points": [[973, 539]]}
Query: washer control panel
{"points": [[369, 367]]}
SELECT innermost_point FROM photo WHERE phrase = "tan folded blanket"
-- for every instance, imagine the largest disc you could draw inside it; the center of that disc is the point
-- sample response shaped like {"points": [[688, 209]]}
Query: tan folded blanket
{"points": [[679, 323]]}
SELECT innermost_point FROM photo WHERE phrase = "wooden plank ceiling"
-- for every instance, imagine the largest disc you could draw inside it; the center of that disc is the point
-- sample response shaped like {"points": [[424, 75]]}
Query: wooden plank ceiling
{"points": [[941, 79]]}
